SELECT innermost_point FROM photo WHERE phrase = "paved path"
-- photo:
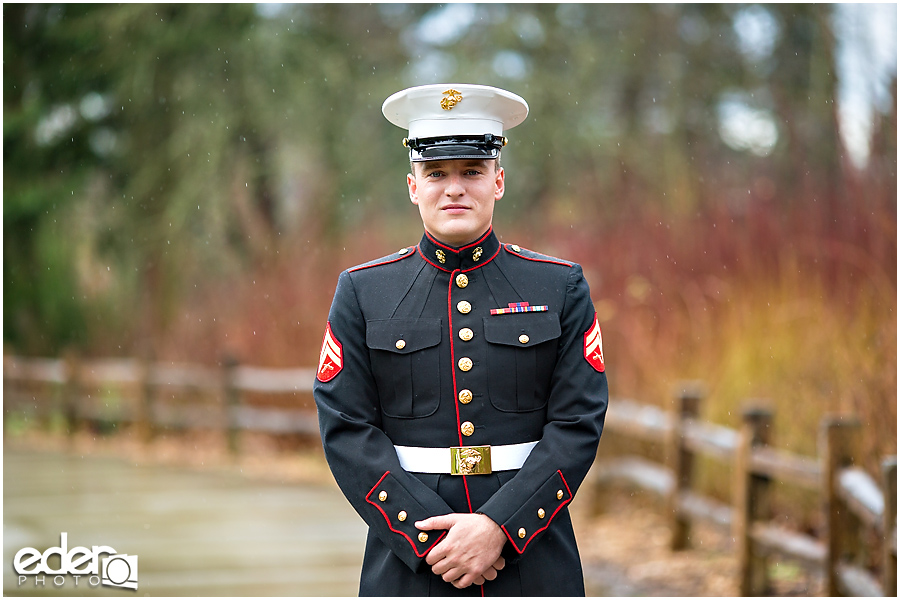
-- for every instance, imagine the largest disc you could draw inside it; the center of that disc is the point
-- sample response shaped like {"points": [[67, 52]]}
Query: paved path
{"points": [[195, 533]]}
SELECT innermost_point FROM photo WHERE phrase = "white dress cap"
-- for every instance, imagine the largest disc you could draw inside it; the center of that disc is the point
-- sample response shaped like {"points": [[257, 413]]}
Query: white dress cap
{"points": [[453, 109]]}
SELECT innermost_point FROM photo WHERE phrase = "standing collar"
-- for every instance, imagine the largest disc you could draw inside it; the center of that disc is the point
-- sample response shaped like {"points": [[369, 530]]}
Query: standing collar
{"points": [[469, 257]]}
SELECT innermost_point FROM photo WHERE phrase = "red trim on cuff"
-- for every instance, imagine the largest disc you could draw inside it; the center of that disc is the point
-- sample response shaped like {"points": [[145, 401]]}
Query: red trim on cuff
{"points": [[558, 508], [391, 527]]}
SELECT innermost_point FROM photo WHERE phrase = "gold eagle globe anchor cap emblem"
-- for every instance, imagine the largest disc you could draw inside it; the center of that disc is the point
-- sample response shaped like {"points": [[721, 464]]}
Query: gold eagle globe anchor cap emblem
{"points": [[451, 99], [447, 121]]}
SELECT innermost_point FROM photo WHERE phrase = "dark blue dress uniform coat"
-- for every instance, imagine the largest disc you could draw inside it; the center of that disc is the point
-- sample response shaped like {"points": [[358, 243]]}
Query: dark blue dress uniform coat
{"points": [[412, 356]]}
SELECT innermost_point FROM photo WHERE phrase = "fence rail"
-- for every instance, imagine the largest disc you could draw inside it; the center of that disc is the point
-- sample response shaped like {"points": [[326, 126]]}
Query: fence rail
{"points": [[852, 501]]}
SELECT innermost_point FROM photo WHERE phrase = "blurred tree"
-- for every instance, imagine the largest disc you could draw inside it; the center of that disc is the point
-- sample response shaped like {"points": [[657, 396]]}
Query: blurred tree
{"points": [[149, 148]]}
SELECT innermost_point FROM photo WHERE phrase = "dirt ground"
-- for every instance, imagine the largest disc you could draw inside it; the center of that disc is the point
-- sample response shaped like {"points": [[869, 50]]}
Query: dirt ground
{"points": [[623, 534], [625, 552]]}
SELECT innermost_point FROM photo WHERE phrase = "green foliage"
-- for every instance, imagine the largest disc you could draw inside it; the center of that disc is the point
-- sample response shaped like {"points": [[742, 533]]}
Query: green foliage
{"points": [[151, 151]]}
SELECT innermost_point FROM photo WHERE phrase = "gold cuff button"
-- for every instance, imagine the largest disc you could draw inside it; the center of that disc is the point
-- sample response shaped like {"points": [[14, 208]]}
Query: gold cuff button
{"points": [[465, 396], [466, 334], [403, 251], [465, 363], [463, 307], [400, 344], [515, 248], [401, 516], [382, 495], [467, 428], [423, 537], [524, 338], [541, 514], [461, 280], [559, 494], [522, 532]]}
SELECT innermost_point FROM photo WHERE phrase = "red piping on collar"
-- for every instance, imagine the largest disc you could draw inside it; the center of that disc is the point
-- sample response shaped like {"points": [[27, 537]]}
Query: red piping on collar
{"points": [[425, 258], [455, 250], [475, 243], [482, 264]]}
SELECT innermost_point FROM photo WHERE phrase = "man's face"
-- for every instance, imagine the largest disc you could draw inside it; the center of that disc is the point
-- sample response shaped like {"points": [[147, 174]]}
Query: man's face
{"points": [[456, 197]]}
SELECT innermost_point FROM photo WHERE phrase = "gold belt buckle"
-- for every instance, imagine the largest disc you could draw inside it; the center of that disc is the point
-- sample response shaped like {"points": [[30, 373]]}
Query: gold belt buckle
{"points": [[470, 460]]}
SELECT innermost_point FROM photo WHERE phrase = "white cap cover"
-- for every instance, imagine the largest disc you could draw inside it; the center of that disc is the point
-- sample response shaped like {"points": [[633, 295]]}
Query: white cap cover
{"points": [[456, 112]]}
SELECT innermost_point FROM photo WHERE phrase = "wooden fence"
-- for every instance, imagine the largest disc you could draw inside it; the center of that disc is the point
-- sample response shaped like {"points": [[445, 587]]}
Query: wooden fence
{"points": [[852, 502]]}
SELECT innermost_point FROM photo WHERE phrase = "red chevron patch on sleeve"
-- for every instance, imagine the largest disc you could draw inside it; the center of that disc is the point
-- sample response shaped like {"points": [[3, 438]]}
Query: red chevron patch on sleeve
{"points": [[593, 346], [330, 358]]}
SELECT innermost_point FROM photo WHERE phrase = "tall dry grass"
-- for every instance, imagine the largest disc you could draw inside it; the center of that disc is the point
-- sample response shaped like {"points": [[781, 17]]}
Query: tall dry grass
{"points": [[794, 308]]}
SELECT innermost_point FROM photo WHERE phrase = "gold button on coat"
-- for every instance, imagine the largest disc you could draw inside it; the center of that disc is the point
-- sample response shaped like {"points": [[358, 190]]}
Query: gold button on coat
{"points": [[467, 428], [400, 344], [515, 248], [522, 532], [541, 514], [423, 537], [465, 334], [559, 494], [461, 280], [465, 396], [524, 338], [382, 495], [463, 307], [403, 251], [402, 515], [465, 363]]}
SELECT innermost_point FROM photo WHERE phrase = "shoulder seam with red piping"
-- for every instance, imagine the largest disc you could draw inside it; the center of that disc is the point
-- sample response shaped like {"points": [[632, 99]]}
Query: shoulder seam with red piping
{"points": [[383, 261], [542, 257]]}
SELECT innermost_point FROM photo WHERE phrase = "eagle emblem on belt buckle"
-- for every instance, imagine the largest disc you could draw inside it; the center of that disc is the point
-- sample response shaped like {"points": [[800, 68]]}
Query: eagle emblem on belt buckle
{"points": [[470, 460]]}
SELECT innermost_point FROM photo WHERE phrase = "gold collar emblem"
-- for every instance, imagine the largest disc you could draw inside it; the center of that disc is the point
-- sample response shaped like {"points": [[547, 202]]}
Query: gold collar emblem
{"points": [[476, 255], [440, 256], [453, 98]]}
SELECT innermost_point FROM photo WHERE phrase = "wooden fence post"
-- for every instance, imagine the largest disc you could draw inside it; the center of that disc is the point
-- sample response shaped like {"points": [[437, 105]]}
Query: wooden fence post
{"points": [[144, 418], [837, 437], [687, 406], [71, 390], [232, 400], [889, 545], [751, 501]]}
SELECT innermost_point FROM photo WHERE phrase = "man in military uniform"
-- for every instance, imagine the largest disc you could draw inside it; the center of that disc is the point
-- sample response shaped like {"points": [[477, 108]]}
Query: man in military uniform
{"points": [[461, 387]]}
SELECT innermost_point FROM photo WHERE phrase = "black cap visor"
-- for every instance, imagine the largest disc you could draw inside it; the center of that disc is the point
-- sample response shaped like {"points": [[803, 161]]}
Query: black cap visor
{"points": [[455, 147]]}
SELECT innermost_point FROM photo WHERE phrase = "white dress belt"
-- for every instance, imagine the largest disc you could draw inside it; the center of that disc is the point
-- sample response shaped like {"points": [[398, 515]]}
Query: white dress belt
{"points": [[440, 460]]}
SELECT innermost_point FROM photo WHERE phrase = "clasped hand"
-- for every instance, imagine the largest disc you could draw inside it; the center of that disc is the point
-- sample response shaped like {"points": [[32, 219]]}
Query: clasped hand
{"points": [[470, 552]]}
